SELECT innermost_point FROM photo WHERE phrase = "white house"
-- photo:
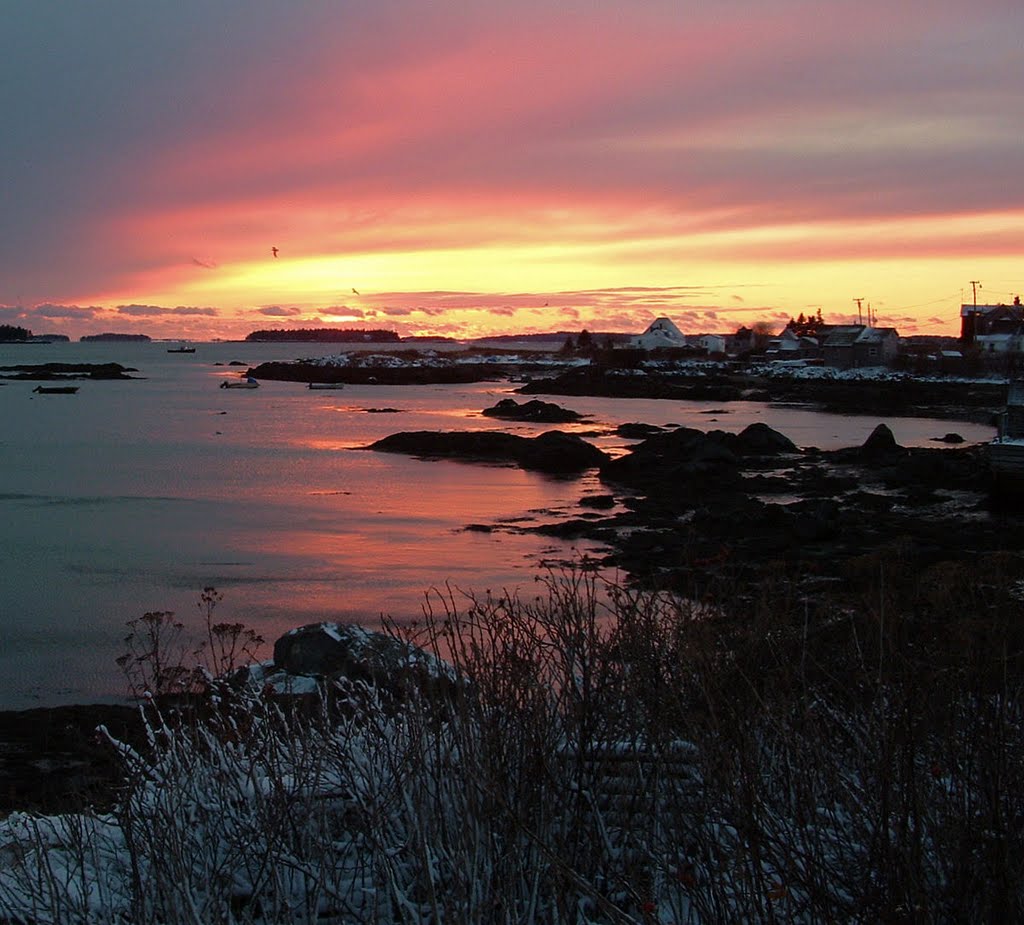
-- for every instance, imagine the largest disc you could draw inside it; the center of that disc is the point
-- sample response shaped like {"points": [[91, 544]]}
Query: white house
{"points": [[661, 332], [712, 343], [1003, 342]]}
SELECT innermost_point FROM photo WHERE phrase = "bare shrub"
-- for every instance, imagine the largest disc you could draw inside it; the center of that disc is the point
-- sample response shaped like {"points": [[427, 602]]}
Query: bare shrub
{"points": [[165, 658], [601, 755]]}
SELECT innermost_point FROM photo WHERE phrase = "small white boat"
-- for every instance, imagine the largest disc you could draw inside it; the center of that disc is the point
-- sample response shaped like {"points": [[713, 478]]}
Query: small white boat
{"points": [[326, 385], [247, 383]]}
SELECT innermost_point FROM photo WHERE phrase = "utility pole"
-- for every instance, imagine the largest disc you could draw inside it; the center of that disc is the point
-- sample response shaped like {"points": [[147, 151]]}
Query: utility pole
{"points": [[859, 318], [975, 286]]}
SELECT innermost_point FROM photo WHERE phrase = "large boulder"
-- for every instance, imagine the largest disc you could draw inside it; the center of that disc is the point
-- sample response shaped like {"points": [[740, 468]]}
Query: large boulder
{"points": [[483, 445], [541, 412], [761, 440], [881, 442], [675, 461], [343, 652], [638, 431], [560, 453]]}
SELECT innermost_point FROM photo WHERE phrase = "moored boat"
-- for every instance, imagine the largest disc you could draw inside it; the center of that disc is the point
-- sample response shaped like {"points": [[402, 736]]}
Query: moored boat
{"points": [[56, 389], [326, 385], [183, 348], [247, 383]]}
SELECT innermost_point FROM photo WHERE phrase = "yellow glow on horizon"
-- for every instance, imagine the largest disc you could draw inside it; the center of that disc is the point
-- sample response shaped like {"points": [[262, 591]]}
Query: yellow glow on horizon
{"points": [[756, 272]]}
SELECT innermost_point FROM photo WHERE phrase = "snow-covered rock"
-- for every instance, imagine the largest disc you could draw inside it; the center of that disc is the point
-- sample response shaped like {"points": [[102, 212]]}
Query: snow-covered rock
{"points": [[342, 652]]}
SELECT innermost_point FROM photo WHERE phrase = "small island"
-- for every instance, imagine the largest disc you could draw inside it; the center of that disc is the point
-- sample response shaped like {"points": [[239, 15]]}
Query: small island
{"points": [[117, 338], [324, 336]]}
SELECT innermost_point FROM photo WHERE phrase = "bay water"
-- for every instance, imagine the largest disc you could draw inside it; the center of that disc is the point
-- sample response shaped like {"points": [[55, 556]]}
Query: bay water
{"points": [[130, 497]]}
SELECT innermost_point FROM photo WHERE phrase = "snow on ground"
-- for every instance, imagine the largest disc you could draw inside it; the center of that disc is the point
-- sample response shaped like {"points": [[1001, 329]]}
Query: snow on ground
{"points": [[696, 367], [433, 358]]}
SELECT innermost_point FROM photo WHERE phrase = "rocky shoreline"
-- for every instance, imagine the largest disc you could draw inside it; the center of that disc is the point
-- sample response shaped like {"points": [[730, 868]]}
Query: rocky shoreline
{"points": [[977, 401], [58, 372], [890, 395], [701, 514], [698, 512], [691, 511]]}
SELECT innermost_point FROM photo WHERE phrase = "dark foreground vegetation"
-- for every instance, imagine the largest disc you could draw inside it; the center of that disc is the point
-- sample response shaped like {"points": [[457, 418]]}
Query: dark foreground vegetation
{"points": [[595, 754]]}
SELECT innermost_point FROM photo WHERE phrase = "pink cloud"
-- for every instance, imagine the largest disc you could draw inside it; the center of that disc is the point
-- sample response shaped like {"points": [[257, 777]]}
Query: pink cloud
{"points": [[363, 129]]}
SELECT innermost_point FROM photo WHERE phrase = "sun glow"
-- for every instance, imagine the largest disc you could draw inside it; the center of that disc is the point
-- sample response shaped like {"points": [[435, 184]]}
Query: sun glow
{"points": [[466, 172], [525, 278]]}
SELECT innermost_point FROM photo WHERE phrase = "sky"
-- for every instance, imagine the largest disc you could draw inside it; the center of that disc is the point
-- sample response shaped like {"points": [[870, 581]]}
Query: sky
{"points": [[463, 168]]}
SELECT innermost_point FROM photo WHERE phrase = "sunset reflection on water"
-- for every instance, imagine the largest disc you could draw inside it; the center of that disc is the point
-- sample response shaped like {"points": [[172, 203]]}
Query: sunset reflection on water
{"points": [[134, 496]]}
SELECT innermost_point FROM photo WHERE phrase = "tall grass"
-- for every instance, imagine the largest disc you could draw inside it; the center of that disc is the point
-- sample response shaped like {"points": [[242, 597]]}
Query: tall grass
{"points": [[602, 755]]}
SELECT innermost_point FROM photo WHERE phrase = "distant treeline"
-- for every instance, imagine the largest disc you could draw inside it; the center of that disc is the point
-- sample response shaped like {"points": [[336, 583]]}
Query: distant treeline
{"points": [[117, 337], [326, 335], [560, 336], [9, 332]]}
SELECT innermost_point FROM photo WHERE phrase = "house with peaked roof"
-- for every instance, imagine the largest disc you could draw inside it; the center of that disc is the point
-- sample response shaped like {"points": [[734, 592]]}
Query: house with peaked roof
{"points": [[713, 344], [789, 345], [856, 346], [660, 333], [978, 323]]}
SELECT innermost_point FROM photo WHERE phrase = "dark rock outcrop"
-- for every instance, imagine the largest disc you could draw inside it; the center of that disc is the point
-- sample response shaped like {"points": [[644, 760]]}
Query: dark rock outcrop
{"points": [[682, 461], [688, 463], [638, 431], [328, 650], [560, 453], [881, 442], [47, 372], [541, 412], [424, 374], [340, 655], [553, 452], [896, 396], [598, 502], [760, 440], [615, 382]]}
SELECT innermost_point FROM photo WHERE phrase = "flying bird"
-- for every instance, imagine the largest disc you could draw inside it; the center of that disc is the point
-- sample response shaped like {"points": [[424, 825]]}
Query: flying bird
{"points": [[356, 291], [274, 251]]}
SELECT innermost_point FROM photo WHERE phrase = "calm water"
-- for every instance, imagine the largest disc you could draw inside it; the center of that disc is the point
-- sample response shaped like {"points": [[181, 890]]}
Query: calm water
{"points": [[133, 496]]}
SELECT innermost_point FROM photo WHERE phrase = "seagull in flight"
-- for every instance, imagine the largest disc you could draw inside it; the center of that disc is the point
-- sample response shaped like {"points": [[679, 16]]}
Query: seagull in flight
{"points": [[356, 291], [274, 251]]}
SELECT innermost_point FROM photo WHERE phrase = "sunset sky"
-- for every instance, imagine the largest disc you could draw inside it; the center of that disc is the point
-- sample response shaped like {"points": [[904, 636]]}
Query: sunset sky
{"points": [[463, 168]]}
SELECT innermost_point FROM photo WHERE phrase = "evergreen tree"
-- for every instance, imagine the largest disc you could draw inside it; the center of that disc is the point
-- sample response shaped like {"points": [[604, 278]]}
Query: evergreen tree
{"points": [[9, 332]]}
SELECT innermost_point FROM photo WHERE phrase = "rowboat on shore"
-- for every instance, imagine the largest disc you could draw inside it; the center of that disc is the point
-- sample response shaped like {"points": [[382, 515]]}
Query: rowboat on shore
{"points": [[56, 389]]}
